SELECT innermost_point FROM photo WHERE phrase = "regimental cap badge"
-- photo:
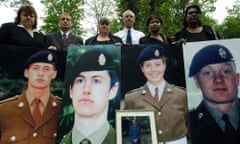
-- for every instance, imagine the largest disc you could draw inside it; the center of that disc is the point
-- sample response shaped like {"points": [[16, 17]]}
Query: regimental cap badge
{"points": [[200, 115], [156, 53], [101, 59], [222, 53], [50, 57]]}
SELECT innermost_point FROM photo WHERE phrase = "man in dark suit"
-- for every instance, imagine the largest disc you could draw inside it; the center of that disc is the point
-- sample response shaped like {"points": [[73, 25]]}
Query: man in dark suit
{"points": [[32, 117], [135, 133], [63, 38], [216, 119]]}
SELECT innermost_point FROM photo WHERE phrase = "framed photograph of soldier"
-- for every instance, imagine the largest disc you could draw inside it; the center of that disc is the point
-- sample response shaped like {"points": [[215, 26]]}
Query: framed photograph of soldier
{"points": [[91, 94], [135, 125], [189, 49]]}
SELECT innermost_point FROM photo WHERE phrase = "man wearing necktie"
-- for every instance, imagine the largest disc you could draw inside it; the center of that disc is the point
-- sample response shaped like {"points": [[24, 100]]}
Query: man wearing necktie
{"points": [[91, 83], [216, 119], [129, 35], [167, 100], [64, 37], [32, 117]]}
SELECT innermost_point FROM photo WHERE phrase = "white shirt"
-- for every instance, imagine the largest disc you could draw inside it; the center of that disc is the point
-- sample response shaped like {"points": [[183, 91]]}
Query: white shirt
{"points": [[160, 89], [67, 33], [136, 35]]}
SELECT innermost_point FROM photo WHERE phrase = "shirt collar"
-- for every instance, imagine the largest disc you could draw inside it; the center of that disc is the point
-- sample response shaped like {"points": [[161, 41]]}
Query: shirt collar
{"points": [[233, 114], [96, 137], [67, 33], [126, 29], [44, 100], [22, 26], [160, 88]]}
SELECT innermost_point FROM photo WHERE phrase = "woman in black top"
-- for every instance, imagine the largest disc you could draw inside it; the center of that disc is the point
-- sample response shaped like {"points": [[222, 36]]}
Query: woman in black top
{"points": [[193, 29], [154, 23], [104, 36], [23, 31]]}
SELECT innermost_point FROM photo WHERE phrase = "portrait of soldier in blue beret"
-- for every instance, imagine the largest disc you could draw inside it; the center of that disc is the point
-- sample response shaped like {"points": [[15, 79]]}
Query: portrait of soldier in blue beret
{"points": [[32, 116], [168, 101], [215, 119]]}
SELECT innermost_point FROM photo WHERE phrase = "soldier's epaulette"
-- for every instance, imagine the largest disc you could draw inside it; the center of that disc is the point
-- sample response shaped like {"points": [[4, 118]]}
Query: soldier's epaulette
{"points": [[58, 98], [180, 87], [183, 88], [134, 90], [9, 99]]}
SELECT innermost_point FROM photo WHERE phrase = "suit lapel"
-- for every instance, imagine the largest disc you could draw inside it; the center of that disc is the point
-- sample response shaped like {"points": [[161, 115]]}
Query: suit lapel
{"points": [[165, 96], [59, 38], [148, 97]]}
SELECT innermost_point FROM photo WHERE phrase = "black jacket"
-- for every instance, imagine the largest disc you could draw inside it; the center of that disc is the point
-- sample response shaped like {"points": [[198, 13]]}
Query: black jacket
{"points": [[210, 33], [12, 34], [204, 129], [93, 40]]}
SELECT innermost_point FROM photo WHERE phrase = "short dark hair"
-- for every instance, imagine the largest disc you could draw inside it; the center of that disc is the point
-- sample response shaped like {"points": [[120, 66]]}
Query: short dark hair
{"points": [[186, 12], [154, 16], [29, 10]]}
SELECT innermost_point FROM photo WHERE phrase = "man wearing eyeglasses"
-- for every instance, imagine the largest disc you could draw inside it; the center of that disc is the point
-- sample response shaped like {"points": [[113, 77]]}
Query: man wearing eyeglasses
{"points": [[216, 119]]}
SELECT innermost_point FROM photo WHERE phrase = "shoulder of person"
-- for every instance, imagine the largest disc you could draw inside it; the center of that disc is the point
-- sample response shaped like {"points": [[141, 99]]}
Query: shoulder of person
{"points": [[139, 32], [118, 32], [9, 24], [53, 33], [144, 39], [180, 34], [175, 88], [11, 99], [210, 31], [134, 91], [67, 138], [57, 97], [115, 37], [90, 40]]}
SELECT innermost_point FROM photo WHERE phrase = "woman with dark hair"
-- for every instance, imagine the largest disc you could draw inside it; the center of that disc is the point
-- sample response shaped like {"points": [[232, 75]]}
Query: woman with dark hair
{"points": [[154, 23], [23, 31], [193, 29]]}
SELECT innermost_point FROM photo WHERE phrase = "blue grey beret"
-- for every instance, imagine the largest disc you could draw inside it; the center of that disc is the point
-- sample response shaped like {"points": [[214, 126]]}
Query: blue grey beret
{"points": [[43, 56], [211, 54], [151, 52]]}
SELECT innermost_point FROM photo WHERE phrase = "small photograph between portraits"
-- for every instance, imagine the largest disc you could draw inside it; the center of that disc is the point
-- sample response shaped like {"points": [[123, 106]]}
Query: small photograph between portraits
{"points": [[91, 95], [135, 126]]}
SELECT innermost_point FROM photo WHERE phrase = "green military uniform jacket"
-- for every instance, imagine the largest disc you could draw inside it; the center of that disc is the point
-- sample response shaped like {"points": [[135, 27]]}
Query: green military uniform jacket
{"points": [[17, 125], [171, 110], [109, 139]]}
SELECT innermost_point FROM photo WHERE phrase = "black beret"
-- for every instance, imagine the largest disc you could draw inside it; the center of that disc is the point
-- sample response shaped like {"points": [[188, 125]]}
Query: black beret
{"points": [[42, 56], [92, 60], [151, 52], [211, 54]]}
